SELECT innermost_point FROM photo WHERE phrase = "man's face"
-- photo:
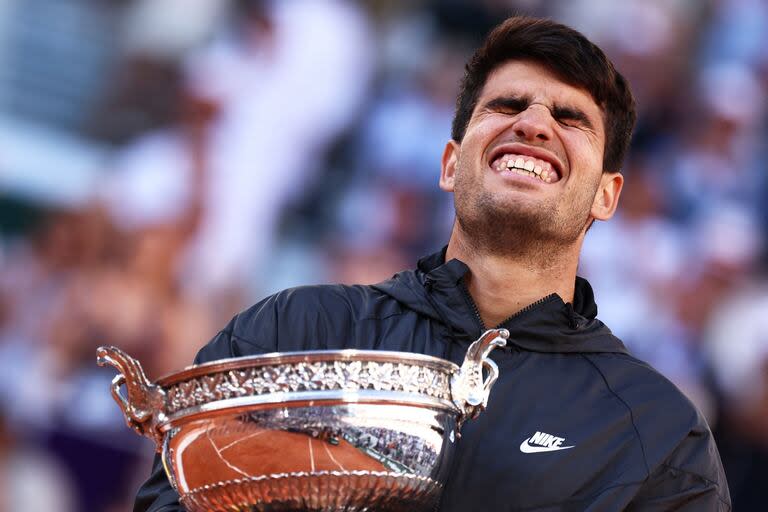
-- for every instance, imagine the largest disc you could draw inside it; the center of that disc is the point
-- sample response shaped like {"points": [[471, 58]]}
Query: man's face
{"points": [[530, 164]]}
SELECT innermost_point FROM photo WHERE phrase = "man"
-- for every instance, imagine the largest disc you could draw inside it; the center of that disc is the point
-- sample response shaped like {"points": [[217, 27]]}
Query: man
{"points": [[542, 124]]}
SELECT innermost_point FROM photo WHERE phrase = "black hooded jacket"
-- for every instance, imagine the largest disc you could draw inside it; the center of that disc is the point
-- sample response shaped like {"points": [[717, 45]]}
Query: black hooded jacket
{"points": [[573, 423]]}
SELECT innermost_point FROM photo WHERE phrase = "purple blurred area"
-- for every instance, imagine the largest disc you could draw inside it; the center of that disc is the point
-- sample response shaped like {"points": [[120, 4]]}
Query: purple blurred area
{"points": [[166, 163]]}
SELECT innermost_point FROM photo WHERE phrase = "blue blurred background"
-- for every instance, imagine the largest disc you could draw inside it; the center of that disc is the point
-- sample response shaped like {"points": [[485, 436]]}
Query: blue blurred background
{"points": [[166, 163]]}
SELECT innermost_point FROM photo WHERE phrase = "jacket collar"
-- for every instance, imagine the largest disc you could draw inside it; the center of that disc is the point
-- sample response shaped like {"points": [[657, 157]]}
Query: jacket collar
{"points": [[550, 325]]}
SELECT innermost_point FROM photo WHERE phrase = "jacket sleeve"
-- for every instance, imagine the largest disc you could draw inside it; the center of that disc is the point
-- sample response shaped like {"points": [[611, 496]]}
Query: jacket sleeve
{"points": [[156, 494], [235, 340], [690, 480]]}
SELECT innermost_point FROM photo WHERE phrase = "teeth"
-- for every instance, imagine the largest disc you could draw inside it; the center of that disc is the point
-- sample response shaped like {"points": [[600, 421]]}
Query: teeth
{"points": [[523, 172], [527, 166]]}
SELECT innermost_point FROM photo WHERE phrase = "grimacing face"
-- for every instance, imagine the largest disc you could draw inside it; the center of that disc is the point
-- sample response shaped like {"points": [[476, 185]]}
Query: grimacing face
{"points": [[530, 166]]}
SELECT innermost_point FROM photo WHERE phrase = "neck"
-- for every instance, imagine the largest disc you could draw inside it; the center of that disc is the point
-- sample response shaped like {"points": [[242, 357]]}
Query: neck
{"points": [[503, 284]]}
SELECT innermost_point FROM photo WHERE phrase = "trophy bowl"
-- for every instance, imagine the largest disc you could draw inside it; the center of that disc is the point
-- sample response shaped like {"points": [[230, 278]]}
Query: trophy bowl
{"points": [[336, 430]]}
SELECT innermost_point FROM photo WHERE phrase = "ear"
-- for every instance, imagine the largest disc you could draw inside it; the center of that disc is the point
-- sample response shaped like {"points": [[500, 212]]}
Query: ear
{"points": [[448, 165], [607, 196]]}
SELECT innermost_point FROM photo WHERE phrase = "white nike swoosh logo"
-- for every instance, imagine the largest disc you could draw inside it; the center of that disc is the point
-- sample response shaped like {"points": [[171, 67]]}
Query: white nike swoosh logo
{"points": [[527, 448]]}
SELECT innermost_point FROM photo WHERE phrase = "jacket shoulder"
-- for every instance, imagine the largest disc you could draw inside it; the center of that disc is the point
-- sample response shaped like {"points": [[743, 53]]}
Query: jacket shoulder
{"points": [[673, 433], [306, 317], [682, 456], [643, 387], [328, 299]]}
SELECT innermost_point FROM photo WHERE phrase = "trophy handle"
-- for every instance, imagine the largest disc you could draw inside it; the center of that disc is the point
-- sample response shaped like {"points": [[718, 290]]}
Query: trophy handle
{"points": [[469, 390], [144, 406]]}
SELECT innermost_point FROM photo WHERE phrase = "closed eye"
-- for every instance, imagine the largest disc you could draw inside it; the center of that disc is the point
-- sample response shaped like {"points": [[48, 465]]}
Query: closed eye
{"points": [[571, 117], [508, 105]]}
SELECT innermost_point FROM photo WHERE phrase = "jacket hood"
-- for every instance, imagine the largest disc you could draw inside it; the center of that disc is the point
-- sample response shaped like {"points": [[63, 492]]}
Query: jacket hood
{"points": [[436, 289]]}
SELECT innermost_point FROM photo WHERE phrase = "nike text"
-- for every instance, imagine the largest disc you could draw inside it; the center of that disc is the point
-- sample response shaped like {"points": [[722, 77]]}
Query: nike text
{"points": [[543, 442]]}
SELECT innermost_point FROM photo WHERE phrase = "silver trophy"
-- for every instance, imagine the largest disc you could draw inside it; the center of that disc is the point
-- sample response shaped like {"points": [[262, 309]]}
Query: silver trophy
{"points": [[339, 430]]}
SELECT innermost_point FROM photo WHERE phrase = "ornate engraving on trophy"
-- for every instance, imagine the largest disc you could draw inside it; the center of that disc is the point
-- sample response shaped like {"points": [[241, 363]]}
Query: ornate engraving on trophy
{"points": [[317, 376]]}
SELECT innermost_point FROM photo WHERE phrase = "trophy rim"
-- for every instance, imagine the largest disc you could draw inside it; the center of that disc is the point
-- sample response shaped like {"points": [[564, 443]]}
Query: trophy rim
{"points": [[310, 356]]}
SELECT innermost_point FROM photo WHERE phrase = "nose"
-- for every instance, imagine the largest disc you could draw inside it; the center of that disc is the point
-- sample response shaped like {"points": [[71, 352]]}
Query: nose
{"points": [[534, 124]]}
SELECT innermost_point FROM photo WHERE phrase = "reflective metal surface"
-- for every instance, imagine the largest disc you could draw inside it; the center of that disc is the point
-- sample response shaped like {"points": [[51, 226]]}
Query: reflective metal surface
{"points": [[321, 457], [330, 430]]}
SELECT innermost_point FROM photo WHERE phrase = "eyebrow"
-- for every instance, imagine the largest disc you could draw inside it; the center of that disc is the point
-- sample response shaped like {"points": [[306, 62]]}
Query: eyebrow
{"points": [[520, 103]]}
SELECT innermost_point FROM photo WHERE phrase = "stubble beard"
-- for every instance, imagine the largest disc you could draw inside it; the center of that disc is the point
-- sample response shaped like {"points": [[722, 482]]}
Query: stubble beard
{"points": [[536, 232]]}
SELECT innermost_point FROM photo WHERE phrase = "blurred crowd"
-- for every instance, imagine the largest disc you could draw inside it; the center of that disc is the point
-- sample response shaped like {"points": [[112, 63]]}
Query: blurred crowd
{"points": [[166, 163]]}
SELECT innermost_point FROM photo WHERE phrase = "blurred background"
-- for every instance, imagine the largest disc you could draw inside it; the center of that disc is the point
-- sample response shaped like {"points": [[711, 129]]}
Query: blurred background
{"points": [[166, 163]]}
